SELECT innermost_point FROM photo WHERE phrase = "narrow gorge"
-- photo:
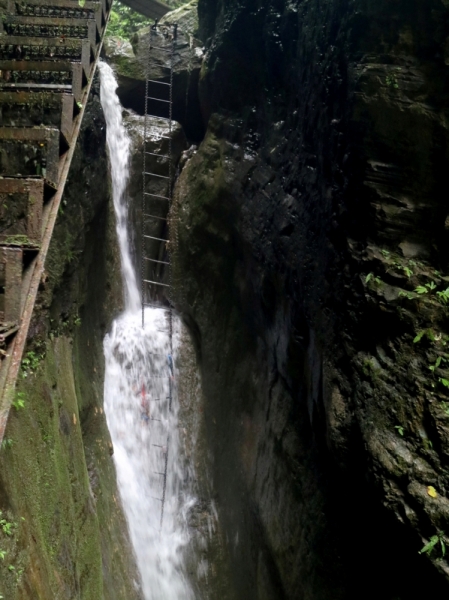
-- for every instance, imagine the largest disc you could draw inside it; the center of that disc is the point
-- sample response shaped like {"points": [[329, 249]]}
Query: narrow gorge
{"points": [[274, 424]]}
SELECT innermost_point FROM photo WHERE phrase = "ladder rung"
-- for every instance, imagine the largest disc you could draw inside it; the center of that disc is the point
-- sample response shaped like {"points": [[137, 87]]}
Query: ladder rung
{"points": [[157, 99], [157, 117], [155, 217], [151, 237], [156, 306], [156, 196], [159, 155], [162, 262], [156, 175], [156, 283], [159, 82], [160, 137]]}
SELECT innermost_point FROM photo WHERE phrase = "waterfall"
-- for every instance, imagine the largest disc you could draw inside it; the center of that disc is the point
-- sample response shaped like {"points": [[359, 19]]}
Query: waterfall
{"points": [[119, 144], [140, 377]]}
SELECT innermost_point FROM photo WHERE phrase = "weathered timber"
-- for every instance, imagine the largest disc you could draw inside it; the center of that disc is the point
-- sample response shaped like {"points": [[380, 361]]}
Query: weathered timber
{"points": [[32, 109], [23, 48], [21, 204], [64, 9], [10, 284], [30, 152], [48, 54], [39, 74], [49, 27]]}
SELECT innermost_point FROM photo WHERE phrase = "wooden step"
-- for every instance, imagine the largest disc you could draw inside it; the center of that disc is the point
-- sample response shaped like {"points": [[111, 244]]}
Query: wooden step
{"points": [[30, 152], [60, 9], [32, 109], [23, 48], [49, 27], [21, 207], [40, 75]]}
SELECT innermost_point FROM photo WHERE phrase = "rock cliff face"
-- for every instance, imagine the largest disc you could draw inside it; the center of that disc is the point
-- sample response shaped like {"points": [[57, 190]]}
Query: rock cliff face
{"points": [[312, 270], [62, 533]]}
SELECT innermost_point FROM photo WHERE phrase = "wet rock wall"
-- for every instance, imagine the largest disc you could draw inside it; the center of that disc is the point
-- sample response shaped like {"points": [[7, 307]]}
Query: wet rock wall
{"points": [[310, 215]]}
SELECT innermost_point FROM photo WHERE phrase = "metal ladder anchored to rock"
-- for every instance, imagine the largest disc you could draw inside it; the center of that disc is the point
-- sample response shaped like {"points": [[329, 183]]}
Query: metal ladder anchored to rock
{"points": [[157, 197]]}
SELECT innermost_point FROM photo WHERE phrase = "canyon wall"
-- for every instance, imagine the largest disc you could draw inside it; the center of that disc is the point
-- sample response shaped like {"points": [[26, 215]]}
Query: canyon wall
{"points": [[312, 270]]}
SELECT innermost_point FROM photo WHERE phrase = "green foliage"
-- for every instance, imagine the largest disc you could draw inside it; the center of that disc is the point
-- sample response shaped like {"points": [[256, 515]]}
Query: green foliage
{"points": [[30, 363], [124, 21], [400, 430], [434, 540], [421, 289], [19, 400], [407, 295], [391, 81], [443, 296], [7, 443], [6, 526], [377, 280], [419, 336], [437, 363], [3, 553]]}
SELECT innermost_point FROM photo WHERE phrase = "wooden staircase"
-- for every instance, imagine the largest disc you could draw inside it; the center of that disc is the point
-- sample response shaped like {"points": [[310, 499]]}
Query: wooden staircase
{"points": [[48, 55]]}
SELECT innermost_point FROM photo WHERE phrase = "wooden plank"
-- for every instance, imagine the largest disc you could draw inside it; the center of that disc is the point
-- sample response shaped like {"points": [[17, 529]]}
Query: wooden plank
{"points": [[12, 258]]}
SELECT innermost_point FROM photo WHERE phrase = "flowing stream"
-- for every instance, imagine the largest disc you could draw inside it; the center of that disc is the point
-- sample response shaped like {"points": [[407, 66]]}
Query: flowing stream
{"points": [[141, 404]]}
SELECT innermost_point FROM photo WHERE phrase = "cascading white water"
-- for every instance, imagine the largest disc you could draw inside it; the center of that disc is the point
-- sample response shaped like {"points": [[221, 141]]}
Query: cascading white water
{"points": [[140, 379], [118, 143]]}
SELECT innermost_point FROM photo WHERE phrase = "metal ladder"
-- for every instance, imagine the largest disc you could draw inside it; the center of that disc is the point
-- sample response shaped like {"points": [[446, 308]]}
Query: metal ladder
{"points": [[160, 95], [162, 39]]}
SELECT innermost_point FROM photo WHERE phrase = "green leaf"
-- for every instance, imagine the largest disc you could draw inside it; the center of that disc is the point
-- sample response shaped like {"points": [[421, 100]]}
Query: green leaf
{"points": [[368, 277], [445, 382], [419, 337], [432, 543], [431, 285], [421, 290], [82, 3], [443, 548]]}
